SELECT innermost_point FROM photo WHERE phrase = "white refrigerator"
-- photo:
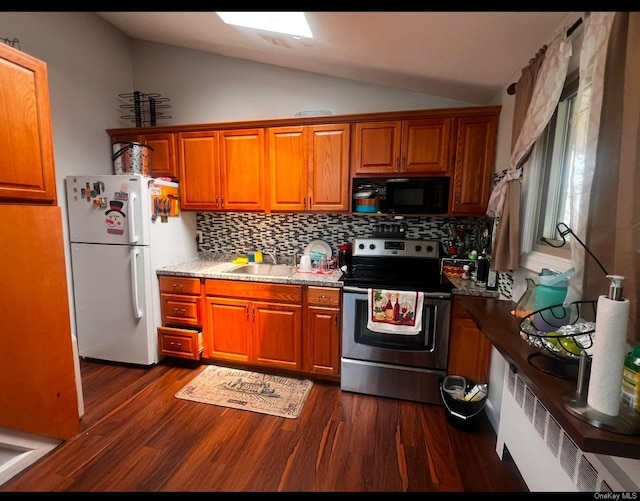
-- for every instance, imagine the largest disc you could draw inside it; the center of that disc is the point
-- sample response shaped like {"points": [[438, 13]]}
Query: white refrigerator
{"points": [[122, 228]]}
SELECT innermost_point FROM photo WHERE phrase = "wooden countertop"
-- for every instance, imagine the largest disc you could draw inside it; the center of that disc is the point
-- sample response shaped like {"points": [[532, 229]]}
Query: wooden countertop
{"points": [[493, 318]]}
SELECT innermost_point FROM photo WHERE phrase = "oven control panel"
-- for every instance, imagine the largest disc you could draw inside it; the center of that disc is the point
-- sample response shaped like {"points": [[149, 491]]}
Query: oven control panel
{"points": [[390, 247]]}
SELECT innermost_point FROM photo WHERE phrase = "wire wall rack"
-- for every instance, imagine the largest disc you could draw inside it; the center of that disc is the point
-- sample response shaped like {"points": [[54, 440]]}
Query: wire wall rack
{"points": [[145, 108]]}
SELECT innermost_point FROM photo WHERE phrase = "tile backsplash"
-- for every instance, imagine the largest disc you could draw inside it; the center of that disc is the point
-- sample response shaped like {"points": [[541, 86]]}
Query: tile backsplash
{"points": [[290, 233]]}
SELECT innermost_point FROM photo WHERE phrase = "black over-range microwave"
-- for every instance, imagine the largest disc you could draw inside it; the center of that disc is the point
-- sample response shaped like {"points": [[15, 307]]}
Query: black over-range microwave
{"points": [[424, 195]]}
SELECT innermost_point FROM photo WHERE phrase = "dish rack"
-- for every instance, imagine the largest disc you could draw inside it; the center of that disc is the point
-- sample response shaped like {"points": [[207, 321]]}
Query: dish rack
{"points": [[560, 348]]}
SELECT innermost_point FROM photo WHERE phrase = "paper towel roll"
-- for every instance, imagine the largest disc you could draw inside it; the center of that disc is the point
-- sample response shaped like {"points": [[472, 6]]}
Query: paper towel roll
{"points": [[609, 347]]}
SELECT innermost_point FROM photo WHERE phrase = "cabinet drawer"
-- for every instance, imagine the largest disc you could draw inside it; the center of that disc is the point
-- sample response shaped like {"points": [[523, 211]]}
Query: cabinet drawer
{"points": [[180, 309], [180, 285], [182, 343], [323, 296], [254, 290]]}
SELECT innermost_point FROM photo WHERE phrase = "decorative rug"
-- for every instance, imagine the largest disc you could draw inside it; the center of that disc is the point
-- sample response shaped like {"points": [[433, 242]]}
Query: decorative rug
{"points": [[251, 391]]}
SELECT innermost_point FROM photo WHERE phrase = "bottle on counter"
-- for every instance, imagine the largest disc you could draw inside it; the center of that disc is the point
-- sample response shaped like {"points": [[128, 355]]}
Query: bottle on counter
{"points": [[482, 267], [631, 379]]}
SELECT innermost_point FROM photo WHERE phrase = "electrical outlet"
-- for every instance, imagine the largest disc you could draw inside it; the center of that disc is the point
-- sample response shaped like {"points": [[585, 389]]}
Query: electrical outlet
{"points": [[199, 236]]}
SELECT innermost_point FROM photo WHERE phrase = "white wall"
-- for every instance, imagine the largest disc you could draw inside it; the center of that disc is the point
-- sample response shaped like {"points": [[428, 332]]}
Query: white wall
{"points": [[206, 88]]}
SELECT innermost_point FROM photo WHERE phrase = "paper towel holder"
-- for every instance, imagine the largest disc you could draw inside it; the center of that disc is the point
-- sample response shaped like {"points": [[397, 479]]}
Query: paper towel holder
{"points": [[627, 422]]}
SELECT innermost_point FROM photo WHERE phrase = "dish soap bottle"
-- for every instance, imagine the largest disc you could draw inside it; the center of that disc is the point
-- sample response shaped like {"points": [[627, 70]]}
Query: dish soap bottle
{"points": [[631, 379]]}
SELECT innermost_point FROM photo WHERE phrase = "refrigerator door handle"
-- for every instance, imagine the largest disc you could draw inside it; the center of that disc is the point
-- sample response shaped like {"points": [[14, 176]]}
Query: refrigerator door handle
{"points": [[134, 282], [133, 238]]}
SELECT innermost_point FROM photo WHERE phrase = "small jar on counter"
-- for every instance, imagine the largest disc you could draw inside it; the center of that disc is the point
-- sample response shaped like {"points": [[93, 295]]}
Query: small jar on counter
{"points": [[465, 272]]}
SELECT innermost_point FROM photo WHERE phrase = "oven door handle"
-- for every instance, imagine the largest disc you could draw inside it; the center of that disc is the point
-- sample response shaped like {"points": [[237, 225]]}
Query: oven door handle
{"points": [[360, 290]]}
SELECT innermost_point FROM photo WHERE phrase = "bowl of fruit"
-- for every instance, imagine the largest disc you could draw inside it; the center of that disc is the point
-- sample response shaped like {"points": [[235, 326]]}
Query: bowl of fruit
{"points": [[566, 341]]}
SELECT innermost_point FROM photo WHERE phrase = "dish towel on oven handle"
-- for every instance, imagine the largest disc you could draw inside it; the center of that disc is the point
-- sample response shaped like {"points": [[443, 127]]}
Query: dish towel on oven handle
{"points": [[395, 311]]}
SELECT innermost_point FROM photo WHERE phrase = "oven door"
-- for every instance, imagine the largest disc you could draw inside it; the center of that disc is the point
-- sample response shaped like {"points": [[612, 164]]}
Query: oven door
{"points": [[428, 349]]}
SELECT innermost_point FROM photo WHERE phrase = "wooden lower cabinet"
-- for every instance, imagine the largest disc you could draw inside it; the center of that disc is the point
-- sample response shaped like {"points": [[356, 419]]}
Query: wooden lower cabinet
{"points": [[469, 349], [292, 327], [254, 322], [322, 331], [182, 319]]}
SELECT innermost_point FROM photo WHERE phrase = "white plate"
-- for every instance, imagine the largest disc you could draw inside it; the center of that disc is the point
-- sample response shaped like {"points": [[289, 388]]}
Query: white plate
{"points": [[319, 246]]}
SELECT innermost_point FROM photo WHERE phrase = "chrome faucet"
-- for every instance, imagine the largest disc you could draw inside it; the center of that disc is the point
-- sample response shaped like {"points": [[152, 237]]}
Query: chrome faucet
{"points": [[272, 254]]}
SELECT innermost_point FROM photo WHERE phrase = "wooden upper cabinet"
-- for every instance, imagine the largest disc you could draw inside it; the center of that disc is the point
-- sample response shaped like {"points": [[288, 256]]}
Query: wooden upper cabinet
{"points": [[427, 146], [287, 168], [164, 161], [328, 167], [222, 170], [474, 164], [198, 164], [309, 168], [164, 157], [376, 148], [27, 168], [408, 147], [242, 169]]}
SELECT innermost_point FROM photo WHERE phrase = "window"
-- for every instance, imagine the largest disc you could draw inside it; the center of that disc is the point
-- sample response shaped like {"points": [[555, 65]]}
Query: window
{"points": [[549, 184]]}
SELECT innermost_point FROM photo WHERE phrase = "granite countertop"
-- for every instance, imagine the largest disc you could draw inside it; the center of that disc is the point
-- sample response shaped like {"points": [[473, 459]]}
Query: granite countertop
{"points": [[465, 287], [208, 268]]}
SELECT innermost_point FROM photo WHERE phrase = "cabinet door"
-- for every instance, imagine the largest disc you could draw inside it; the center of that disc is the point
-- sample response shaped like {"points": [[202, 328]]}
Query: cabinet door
{"points": [[39, 393], [426, 146], [198, 160], [376, 148], [163, 156], [474, 164], [241, 166], [287, 168], [328, 168], [229, 332], [27, 172], [322, 341], [469, 349], [277, 335]]}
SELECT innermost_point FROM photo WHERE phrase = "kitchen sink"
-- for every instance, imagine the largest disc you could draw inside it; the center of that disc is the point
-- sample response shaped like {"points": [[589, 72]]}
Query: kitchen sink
{"points": [[264, 270]]}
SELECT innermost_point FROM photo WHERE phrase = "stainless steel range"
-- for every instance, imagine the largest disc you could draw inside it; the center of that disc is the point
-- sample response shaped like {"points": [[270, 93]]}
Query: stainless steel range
{"points": [[396, 364]]}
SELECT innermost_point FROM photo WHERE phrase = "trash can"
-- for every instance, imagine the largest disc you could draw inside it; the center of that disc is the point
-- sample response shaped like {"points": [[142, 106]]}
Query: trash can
{"points": [[464, 400]]}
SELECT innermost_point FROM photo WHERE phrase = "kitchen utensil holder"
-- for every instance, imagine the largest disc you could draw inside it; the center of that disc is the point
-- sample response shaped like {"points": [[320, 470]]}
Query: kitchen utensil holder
{"points": [[145, 108]]}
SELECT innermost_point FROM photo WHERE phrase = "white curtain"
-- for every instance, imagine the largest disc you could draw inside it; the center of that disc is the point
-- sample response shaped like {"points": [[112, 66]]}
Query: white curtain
{"points": [[586, 129], [544, 100], [546, 93]]}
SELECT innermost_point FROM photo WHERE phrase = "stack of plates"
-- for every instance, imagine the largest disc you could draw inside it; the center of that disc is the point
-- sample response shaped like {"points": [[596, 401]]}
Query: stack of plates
{"points": [[317, 249]]}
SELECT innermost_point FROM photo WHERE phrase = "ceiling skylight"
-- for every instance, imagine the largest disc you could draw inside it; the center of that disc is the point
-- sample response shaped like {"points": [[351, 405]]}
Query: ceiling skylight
{"points": [[290, 23]]}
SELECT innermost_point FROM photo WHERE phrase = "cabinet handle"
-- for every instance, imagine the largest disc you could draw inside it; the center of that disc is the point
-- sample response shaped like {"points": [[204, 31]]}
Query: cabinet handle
{"points": [[178, 285], [254, 313], [216, 201], [404, 163], [222, 202], [335, 318], [247, 310], [310, 203], [304, 202], [398, 164]]}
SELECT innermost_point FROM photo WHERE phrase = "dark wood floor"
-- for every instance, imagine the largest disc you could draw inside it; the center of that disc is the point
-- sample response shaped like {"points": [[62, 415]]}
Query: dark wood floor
{"points": [[136, 436]]}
